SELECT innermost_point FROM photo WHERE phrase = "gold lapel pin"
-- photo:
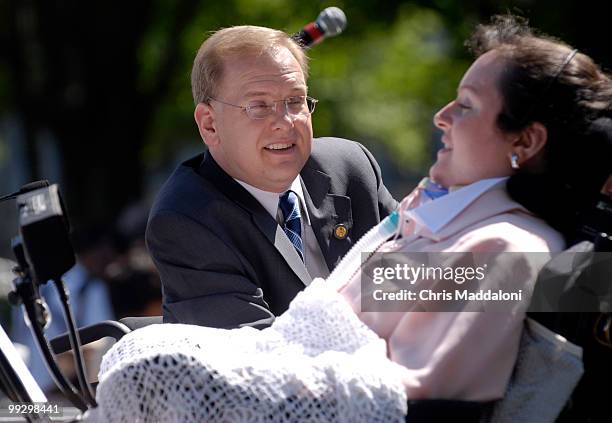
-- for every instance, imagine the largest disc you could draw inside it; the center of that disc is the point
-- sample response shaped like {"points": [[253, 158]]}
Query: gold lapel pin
{"points": [[340, 231]]}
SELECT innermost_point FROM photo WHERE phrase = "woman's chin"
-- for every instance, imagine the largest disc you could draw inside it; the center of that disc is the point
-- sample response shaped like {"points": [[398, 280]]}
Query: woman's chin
{"points": [[437, 175]]}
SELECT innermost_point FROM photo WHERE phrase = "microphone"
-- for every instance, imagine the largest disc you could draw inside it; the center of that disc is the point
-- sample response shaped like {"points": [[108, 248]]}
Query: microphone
{"points": [[26, 188], [329, 23]]}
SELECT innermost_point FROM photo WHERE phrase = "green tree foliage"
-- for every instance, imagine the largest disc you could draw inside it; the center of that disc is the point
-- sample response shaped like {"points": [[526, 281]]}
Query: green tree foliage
{"points": [[110, 81], [384, 86]]}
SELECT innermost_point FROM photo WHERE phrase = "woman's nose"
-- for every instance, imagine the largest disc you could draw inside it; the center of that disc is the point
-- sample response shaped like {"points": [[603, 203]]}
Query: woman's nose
{"points": [[442, 118]]}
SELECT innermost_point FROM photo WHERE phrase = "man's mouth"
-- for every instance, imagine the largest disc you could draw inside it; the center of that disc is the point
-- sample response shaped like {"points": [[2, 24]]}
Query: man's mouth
{"points": [[278, 146]]}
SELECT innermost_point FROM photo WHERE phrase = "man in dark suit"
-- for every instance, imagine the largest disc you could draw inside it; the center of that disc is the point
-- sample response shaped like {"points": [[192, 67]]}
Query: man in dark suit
{"points": [[238, 231]]}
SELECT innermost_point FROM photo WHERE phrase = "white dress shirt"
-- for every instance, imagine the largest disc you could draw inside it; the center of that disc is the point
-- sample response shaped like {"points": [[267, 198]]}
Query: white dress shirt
{"points": [[313, 257], [434, 215]]}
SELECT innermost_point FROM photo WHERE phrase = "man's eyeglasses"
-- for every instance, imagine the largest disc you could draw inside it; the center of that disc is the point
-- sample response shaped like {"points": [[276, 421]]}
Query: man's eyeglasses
{"points": [[294, 106]]}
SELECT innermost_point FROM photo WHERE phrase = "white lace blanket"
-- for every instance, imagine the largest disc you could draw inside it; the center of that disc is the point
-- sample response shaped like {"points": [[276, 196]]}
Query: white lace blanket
{"points": [[316, 363]]}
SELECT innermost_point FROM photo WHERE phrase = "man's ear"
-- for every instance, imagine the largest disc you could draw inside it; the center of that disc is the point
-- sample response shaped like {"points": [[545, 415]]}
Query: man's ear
{"points": [[204, 116], [530, 144]]}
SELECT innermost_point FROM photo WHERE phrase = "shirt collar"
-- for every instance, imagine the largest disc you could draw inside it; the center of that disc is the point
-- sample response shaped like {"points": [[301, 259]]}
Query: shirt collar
{"points": [[269, 200], [436, 214]]}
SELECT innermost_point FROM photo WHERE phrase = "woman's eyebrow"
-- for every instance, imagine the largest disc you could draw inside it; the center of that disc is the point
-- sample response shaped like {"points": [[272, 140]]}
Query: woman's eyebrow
{"points": [[468, 87]]}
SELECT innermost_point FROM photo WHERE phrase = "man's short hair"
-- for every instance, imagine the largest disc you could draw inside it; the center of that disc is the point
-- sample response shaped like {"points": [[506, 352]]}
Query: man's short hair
{"points": [[238, 41]]}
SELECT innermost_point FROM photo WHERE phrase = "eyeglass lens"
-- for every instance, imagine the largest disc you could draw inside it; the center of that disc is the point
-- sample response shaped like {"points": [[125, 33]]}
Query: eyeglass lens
{"points": [[293, 105]]}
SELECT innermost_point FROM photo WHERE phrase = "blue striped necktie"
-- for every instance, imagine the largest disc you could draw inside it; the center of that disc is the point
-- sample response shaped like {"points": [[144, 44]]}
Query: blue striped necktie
{"points": [[290, 207]]}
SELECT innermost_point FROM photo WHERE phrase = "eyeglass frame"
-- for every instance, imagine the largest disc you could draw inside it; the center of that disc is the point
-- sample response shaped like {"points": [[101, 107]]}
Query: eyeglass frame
{"points": [[248, 108]]}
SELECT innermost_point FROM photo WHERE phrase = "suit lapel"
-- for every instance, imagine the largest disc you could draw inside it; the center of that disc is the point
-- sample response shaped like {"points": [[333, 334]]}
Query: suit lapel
{"points": [[326, 212], [211, 171]]}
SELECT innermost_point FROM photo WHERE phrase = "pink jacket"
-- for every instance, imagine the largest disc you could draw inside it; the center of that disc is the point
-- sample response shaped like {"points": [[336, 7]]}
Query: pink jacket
{"points": [[463, 355]]}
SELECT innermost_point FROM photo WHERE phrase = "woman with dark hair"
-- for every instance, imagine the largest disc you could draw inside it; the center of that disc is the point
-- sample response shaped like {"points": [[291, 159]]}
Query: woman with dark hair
{"points": [[548, 85], [526, 150]]}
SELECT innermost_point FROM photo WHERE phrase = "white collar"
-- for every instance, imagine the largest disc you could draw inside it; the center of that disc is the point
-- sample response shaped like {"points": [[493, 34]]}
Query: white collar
{"points": [[436, 214], [269, 200]]}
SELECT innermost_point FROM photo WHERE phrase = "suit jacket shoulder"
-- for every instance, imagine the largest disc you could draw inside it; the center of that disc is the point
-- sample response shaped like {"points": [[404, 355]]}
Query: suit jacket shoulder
{"points": [[344, 160], [352, 171]]}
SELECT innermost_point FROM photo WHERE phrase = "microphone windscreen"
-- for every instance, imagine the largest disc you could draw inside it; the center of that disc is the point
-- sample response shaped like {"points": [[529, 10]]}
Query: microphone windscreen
{"points": [[332, 21]]}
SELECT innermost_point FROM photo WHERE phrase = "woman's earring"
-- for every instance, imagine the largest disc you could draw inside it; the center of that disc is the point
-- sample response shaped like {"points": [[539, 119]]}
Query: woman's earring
{"points": [[514, 161]]}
